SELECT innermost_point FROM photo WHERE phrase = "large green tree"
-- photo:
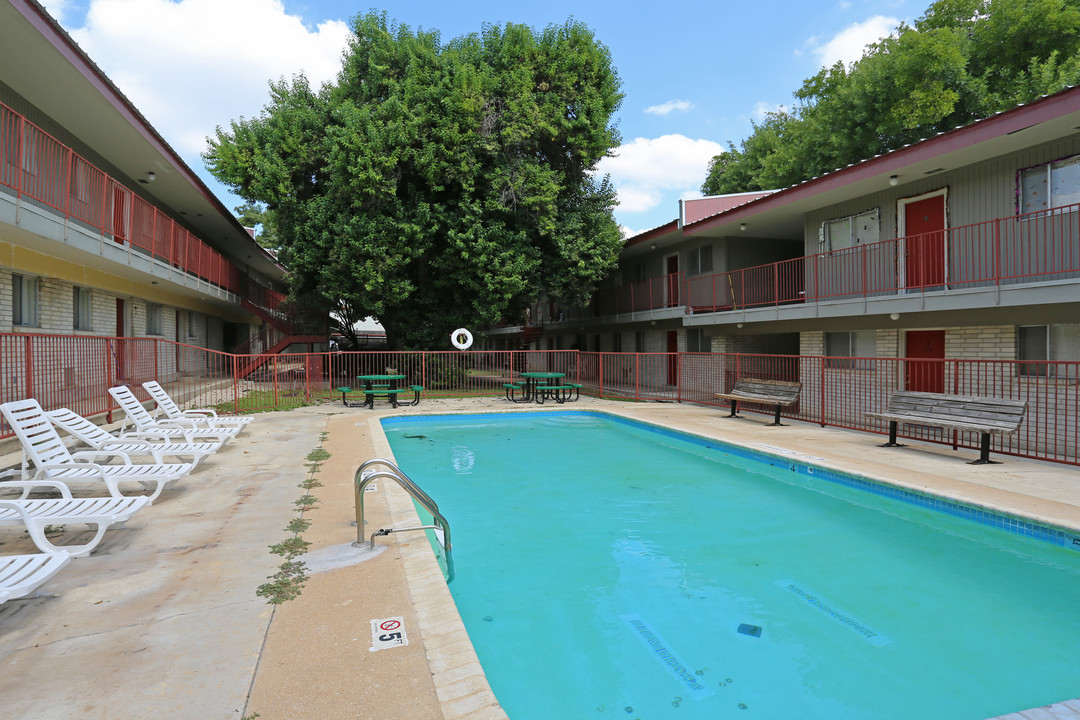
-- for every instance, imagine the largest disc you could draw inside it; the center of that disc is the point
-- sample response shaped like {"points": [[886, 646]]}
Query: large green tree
{"points": [[438, 185], [963, 60]]}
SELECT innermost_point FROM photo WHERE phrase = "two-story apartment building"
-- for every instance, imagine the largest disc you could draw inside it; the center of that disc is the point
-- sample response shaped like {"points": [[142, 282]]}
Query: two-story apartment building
{"points": [[964, 245], [104, 230]]}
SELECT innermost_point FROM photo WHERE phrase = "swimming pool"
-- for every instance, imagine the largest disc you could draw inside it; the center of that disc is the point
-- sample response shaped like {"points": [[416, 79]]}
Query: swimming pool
{"points": [[613, 570]]}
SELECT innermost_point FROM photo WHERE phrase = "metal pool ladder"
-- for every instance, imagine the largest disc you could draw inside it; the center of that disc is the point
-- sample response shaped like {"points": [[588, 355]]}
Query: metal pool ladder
{"points": [[364, 476]]}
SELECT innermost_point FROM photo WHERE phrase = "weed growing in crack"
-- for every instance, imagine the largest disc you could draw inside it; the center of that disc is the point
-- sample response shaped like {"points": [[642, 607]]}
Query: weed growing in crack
{"points": [[289, 580]]}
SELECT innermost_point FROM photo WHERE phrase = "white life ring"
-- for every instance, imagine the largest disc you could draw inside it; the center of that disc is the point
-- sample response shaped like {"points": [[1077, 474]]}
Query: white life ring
{"points": [[461, 339]]}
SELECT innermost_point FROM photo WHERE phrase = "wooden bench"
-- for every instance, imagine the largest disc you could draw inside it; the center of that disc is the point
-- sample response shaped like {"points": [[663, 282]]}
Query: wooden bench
{"points": [[779, 393], [984, 415]]}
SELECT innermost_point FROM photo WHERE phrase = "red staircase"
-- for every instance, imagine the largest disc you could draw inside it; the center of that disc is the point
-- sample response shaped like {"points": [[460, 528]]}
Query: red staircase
{"points": [[282, 330], [531, 333]]}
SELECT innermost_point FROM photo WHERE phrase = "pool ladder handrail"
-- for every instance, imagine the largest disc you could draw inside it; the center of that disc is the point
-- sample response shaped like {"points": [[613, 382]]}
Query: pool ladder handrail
{"points": [[363, 477]]}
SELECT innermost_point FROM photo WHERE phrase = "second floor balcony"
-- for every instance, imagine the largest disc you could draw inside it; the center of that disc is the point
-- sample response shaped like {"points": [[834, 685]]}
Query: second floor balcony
{"points": [[38, 169], [1013, 252]]}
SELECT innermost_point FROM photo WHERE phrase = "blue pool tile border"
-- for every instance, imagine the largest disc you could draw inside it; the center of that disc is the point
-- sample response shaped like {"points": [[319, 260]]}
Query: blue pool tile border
{"points": [[966, 511]]}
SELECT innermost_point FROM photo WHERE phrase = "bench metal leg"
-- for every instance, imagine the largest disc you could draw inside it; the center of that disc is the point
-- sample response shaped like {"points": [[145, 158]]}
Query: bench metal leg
{"points": [[776, 419], [734, 408], [892, 436], [984, 453]]}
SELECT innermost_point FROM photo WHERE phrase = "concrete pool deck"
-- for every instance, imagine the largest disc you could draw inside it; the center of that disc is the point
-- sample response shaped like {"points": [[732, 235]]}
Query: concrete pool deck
{"points": [[162, 619]]}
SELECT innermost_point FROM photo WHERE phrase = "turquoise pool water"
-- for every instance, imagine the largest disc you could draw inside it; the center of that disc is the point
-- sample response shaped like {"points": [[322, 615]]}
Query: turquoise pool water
{"points": [[607, 569]]}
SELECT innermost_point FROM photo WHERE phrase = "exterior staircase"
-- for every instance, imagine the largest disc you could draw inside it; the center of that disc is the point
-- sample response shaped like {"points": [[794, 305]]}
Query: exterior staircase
{"points": [[282, 331]]}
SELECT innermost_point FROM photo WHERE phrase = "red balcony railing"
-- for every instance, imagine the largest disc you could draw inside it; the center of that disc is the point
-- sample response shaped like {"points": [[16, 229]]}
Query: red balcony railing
{"points": [[1033, 247], [39, 167]]}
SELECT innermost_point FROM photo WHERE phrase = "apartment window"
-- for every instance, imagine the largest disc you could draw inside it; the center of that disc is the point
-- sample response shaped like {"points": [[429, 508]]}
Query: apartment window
{"points": [[696, 340], [699, 260], [1042, 344], [1049, 186], [24, 301], [80, 308], [639, 342], [845, 232], [153, 319], [842, 349]]}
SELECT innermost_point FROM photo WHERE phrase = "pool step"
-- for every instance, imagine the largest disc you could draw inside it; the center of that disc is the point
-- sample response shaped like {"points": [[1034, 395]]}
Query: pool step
{"points": [[1068, 710]]}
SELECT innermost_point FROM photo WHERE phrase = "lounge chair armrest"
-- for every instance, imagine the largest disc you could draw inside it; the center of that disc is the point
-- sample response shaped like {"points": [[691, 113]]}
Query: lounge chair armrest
{"points": [[200, 414], [110, 482], [28, 486], [90, 455]]}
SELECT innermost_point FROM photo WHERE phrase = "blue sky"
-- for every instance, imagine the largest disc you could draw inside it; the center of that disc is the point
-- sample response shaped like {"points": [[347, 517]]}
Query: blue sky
{"points": [[695, 75]]}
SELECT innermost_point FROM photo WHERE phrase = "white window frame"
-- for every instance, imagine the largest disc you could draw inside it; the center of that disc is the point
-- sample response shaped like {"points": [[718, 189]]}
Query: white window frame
{"points": [[25, 298], [858, 344], [154, 319], [699, 341], [855, 237], [81, 309], [1061, 342], [1048, 168], [695, 258]]}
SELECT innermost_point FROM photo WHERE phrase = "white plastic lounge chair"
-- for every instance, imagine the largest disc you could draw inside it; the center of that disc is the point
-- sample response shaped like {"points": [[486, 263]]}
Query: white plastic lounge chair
{"points": [[182, 427], [21, 575], [52, 460], [36, 514], [205, 418], [133, 444]]}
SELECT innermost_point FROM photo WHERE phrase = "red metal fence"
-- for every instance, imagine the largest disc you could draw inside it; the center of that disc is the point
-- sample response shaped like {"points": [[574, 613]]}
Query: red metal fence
{"points": [[38, 167], [75, 372]]}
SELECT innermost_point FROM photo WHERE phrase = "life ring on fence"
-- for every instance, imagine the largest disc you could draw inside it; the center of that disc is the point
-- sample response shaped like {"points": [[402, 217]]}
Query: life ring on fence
{"points": [[461, 339]]}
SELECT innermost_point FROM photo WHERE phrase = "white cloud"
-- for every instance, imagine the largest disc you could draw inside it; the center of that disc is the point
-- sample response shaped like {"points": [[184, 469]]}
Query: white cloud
{"points": [[56, 8], [192, 65], [669, 107], [761, 109], [646, 168], [847, 45]]}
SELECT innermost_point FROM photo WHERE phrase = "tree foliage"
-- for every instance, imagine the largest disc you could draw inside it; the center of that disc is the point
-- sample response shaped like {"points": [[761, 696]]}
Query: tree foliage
{"points": [[438, 185], [254, 215], [963, 60]]}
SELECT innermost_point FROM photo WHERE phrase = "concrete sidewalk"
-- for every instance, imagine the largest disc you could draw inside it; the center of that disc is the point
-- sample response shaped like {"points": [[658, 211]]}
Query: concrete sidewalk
{"points": [[162, 619]]}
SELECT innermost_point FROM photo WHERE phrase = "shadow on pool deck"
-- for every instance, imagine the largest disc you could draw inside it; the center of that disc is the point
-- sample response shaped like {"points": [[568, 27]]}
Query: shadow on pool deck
{"points": [[162, 619]]}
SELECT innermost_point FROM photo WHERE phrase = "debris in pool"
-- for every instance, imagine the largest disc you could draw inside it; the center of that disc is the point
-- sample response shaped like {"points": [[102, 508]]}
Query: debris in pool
{"points": [[751, 630], [487, 618], [415, 437], [628, 709], [742, 706]]}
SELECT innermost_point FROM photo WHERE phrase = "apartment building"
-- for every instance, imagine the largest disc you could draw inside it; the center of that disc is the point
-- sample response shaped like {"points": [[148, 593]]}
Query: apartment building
{"points": [[963, 245], [104, 230]]}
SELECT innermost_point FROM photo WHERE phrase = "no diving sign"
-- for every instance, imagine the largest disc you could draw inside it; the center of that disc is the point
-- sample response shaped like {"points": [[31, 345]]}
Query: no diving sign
{"points": [[388, 633]]}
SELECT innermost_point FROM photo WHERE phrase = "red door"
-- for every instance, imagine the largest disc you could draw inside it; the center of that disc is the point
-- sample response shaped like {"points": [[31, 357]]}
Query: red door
{"points": [[673, 357], [924, 225], [926, 361], [673, 281]]}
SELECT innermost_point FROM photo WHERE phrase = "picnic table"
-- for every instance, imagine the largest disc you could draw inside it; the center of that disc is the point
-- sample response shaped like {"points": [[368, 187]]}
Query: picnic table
{"points": [[381, 385], [540, 386]]}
